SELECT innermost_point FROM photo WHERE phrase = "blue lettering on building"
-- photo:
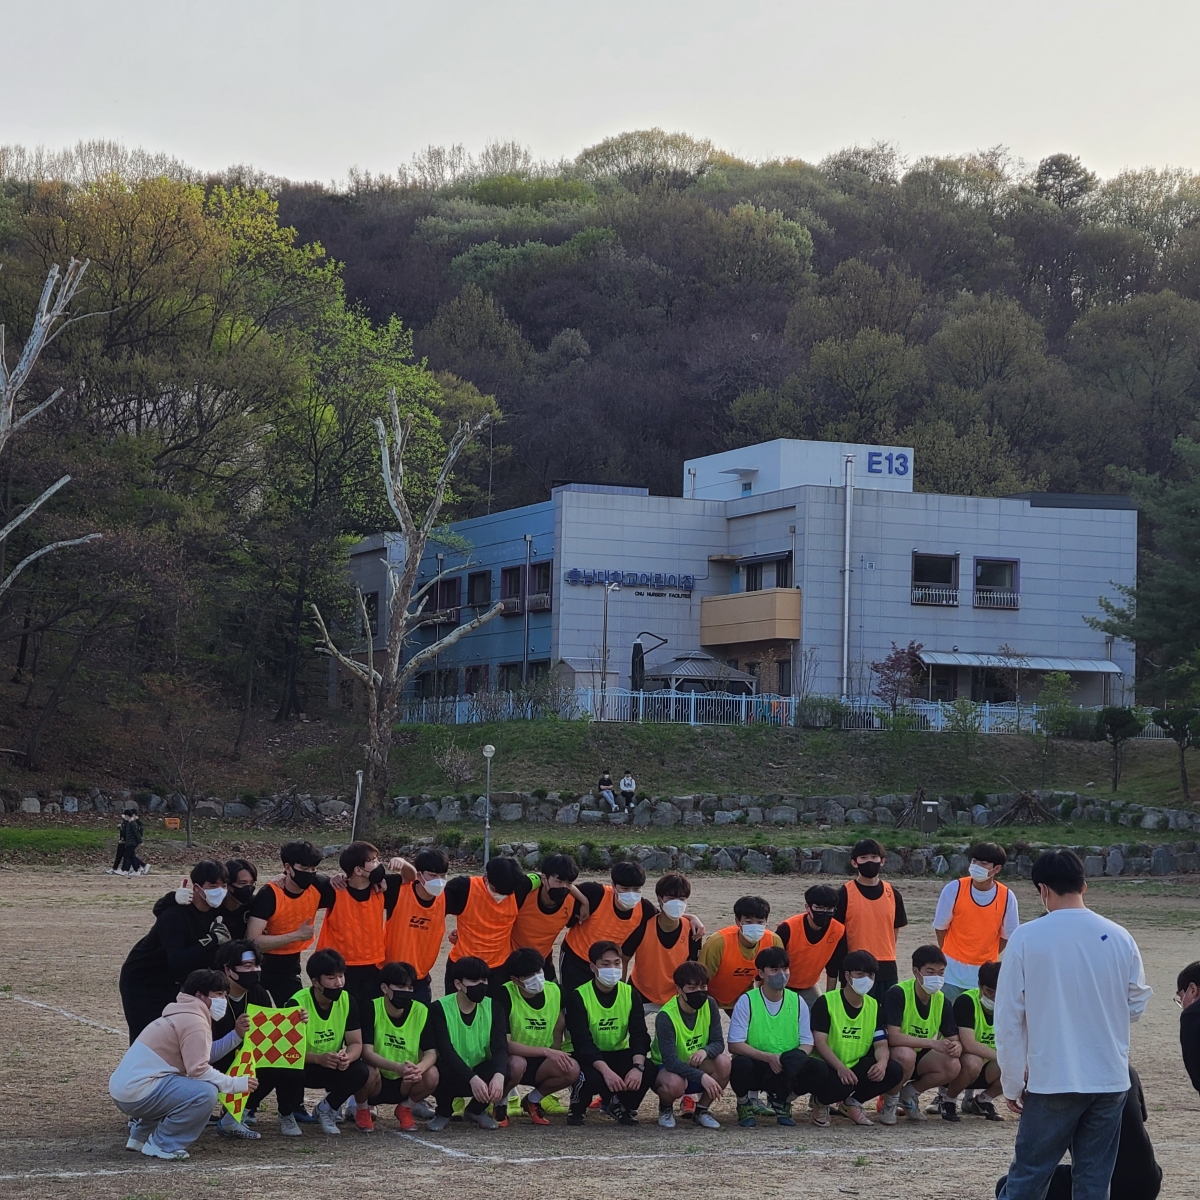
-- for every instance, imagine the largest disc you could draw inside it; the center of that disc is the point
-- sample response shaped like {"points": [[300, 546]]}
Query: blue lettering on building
{"points": [[652, 579]]}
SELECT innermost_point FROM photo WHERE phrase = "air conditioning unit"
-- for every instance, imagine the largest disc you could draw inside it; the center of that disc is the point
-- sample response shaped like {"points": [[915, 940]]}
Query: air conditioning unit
{"points": [[540, 602], [511, 604]]}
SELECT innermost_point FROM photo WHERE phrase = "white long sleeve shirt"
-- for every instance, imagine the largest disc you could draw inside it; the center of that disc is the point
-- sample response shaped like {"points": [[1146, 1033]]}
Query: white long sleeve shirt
{"points": [[739, 1021], [1071, 984]]}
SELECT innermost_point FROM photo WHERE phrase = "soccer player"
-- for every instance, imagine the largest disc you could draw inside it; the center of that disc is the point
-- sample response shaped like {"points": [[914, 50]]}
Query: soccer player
{"points": [[282, 916], [730, 953], [810, 938], [687, 1055], [973, 1012], [923, 1035], [975, 917], [850, 1038], [398, 1044], [608, 1031], [471, 1039], [353, 924], [235, 911], [486, 906], [664, 944], [415, 911], [617, 913], [871, 910], [536, 1021], [545, 911], [771, 1039]]}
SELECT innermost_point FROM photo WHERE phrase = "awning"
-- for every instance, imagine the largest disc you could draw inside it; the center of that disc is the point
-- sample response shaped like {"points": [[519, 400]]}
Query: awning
{"points": [[1080, 666], [748, 560], [695, 664]]}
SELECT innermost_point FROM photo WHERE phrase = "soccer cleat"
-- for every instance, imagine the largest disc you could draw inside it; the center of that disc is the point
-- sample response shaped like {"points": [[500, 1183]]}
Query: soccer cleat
{"points": [[132, 1143], [551, 1105], [250, 1117], [666, 1118], [595, 1102], [421, 1111], [820, 1115], [304, 1116], [950, 1111], [404, 1114], [363, 1121], [624, 1116], [783, 1113], [484, 1120], [150, 1150], [534, 1109], [438, 1123], [761, 1109], [514, 1105], [500, 1115], [855, 1113], [912, 1106], [457, 1107], [288, 1126], [576, 1116], [328, 1119], [888, 1115], [706, 1120], [228, 1127], [687, 1106], [745, 1116], [985, 1108]]}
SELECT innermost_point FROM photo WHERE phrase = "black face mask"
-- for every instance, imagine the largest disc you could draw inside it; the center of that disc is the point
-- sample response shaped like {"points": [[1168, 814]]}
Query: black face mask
{"points": [[249, 979], [697, 999], [244, 894], [557, 895], [378, 875], [869, 869], [401, 1000], [333, 995], [303, 879], [476, 992], [821, 920]]}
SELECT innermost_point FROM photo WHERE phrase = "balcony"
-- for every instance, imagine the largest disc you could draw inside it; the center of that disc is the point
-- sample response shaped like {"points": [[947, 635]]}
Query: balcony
{"points": [[511, 605], [539, 602], [942, 597], [997, 598], [772, 614]]}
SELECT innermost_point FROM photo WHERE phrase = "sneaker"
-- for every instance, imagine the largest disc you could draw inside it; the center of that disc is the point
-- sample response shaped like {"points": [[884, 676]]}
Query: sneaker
{"points": [[985, 1108], [113, 871], [228, 1127], [514, 1105], [745, 1116], [666, 1118], [288, 1126], [595, 1102], [536, 1114], [820, 1115], [625, 1116], [421, 1111], [150, 1150], [552, 1105], [328, 1119], [761, 1109], [706, 1120], [438, 1123], [500, 1115], [145, 870], [132, 1143], [950, 1111], [484, 1120], [855, 1113], [687, 1106], [250, 1117], [304, 1116], [890, 1104], [912, 1106], [457, 1107], [576, 1116], [783, 1113], [363, 1121], [404, 1114]]}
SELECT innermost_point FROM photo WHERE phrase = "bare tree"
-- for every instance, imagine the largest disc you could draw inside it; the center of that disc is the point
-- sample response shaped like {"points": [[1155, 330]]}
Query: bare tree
{"points": [[406, 602], [56, 297]]}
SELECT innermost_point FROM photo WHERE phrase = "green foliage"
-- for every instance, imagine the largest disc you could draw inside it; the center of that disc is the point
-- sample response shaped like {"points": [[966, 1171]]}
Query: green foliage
{"points": [[1116, 726]]}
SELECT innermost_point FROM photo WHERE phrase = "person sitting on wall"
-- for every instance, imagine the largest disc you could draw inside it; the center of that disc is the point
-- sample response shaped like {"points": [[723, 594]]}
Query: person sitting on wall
{"points": [[605, 788], [628, 789]]}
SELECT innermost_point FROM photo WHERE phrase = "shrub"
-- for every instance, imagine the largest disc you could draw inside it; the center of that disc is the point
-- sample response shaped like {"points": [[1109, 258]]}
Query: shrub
{"points": [[539, 793], [453, 838]]}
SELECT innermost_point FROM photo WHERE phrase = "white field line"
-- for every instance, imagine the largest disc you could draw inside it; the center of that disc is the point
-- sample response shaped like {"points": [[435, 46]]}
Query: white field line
{"points": [[106, 1172], [62, 1012]]}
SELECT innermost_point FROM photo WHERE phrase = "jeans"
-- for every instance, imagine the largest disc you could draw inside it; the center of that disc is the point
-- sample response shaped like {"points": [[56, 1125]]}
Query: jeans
{"points": [[608, 798], [1086, 1123], [174, 1115]]}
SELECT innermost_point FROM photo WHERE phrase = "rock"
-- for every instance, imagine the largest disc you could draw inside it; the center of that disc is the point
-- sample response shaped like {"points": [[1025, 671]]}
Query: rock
{"points": [[511, 812], [810, 866], [1188, 861], [102, 804], [206, 808], [401, 806], [155, 804], [834, 813], [693, 818], [545, 811], [235, 808], [835, 862], [685, 862], [709, 805], [70, 804], [338, 808], [723, 861], [884, 816], [781, 814], [51, 808], [568, 814], [1152, 820], [962, 817], [177, 803], [893, 864], [1093, 865], [1135, 865], [591, 816], [666, 814], [959, 864], [531, 859], [916, 864], [589, 803], [940, 865], [757, 863], [858, 816], [982, 818], [1115, 863], [448, 812], [643, 813], [477, 809], [656, 860], [1024, 866], [31, 804], [786, 855], [427, 812], [618, 818], [724, 817], [754, 815], [1162, 861]]}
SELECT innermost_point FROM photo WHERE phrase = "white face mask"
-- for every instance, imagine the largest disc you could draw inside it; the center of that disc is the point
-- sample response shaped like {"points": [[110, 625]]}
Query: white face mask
{"points": [[497, 896], [215, 896], [535, 983], [609, 976], [674, 908], [754, 933], [435, 887], [216, 1006], [629, 899], [862, 984], [933, 983], [988, 1003], [979, 873]]}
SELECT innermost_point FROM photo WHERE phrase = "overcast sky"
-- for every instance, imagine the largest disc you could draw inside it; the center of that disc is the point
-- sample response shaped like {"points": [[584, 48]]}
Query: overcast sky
{"points": [[309, 88]]}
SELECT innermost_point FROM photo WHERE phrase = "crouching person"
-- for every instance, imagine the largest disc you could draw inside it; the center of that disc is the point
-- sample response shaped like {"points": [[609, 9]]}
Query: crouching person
{"points": [[973, 1013], [771, 1040], [471, 1039], [166, 1082], [850, 1038], [398, 1044], [687, 1056]]}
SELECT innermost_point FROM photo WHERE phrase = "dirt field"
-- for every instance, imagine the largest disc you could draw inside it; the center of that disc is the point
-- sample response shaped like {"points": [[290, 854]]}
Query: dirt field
{"points": [[63, 936]]}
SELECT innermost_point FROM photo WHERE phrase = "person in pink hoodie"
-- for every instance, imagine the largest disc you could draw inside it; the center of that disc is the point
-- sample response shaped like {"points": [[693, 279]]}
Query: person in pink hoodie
{"points": [[165, 1082]]}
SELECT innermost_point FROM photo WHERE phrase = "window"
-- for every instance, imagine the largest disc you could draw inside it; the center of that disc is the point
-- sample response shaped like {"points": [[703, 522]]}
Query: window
{"points": [[371, 604], [747, 487], [785, 677], [447, 595], [508, 676], [510, 583], [479, 589], [539, 669], [445, 682], [541, 577], [783, 573], [476, 680], [935, 579], [996, 583], [753, 572]]}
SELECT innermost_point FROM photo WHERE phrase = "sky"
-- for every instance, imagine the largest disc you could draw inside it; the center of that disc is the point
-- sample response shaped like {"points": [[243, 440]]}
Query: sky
{"points": [[307, 89]]}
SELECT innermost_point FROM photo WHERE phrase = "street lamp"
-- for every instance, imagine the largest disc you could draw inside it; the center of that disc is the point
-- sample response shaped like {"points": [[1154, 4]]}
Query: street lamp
{"points": [[488, 751], [608, 587]]}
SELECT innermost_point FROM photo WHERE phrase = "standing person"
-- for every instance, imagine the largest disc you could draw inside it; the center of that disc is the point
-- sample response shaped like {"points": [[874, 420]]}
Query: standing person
{"points": [[975, 917], [130, 835], [1072, 984], [166, 1082], [472, 1046], [415, 912], [486, 907], [1187, 992], [608, 1032], [730, 954], [664, 943], [183, 939], [810, 938], [628, 787], [617, 913], [235, 910], [553, 901], [353, 924], [973, 1013], [871, 910], [282, 916], [398, 1044]]}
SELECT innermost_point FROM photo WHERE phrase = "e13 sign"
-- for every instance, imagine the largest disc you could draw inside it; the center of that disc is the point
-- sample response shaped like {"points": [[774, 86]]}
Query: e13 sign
{"points": [[889, 463]]}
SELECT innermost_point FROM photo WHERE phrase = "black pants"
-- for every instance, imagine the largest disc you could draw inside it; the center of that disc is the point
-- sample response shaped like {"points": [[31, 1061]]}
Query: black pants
{"points": [[829, 1089], [573, 971], [885, 978], [363, 984], [282, 980], [289, 1085], [799, 1075], [144, 1004], [619, 1061], [452, 1084]]}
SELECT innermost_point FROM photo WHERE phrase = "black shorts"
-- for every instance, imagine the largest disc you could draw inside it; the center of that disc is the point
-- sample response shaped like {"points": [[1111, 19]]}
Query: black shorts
{"points": [[692, 1088], [391, 1092], [981, 1082], [534, 1065]]}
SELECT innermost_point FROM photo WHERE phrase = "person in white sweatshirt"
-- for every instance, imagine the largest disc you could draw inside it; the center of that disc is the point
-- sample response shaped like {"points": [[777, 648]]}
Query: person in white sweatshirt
{"points": [[165, 1082], [1071, 985]]}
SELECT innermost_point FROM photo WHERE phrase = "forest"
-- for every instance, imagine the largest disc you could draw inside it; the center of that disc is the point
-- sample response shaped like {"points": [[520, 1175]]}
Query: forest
{"points": [[1023, 326]]}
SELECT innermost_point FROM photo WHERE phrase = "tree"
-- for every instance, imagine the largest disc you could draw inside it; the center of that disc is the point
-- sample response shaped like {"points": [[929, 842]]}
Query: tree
{"points": [[1063, 180], [385, 687], [1116, 726], [1054, 712], [964, 720], [897, 674], [1178, 724]]}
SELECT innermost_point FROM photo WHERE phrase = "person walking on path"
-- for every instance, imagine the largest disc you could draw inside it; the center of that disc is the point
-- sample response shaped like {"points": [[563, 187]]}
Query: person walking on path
{"points": [[1072, 983], [130, 836]]}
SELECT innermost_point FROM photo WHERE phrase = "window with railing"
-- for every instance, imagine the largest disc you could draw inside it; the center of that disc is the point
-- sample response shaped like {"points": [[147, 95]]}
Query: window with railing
{"points": [[479, 588], [510, 588], [997, 583], [935, 579], [539, 586]]}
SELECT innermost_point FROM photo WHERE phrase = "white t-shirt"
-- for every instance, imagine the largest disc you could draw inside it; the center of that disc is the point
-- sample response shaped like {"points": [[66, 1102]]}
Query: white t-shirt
{"points": [[1071, 985], [964, 975], [739, 1022], [628, 784]]}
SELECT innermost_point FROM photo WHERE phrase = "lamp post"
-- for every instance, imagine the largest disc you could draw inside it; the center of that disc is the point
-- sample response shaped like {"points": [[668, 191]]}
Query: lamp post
{"points": [[488, 751], [608, 587]]}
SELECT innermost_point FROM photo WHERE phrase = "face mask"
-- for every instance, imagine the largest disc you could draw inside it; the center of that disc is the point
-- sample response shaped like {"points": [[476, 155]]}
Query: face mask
{"points": [[303, 879], [821, 920], [629, 899], [988, 1003], [754, 933], [557, 895], [868, 870], [333, 995], [217, 1006], [609, 976], [978, 873], [777, 980], [674, 908], [476, 992], [435, 887], [536, 983], [377, 875], [243, 894], [696, 999], [499, 897], [862, 984], [215, 896], [400, 1000], [249, 979], [933, 983]]}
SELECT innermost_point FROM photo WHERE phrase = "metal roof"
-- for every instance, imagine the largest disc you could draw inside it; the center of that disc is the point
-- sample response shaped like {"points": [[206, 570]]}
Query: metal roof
{"points": [[695, 664], [942, 658]]}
